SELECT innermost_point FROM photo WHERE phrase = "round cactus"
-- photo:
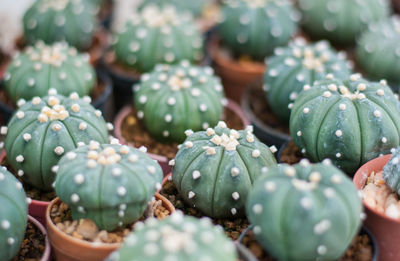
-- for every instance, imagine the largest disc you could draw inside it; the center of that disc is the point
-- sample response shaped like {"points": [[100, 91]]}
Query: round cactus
{"points": [[255, 28], [178, 238], [340, 21], [349, 121], [109, 184], [391, 171], [215, 169], [42, 130], [61, 20], [297, 65], [194, 7], [378, 51], [41, 67], [13, 215], [305, 211], [175, 98], [158, 35]]}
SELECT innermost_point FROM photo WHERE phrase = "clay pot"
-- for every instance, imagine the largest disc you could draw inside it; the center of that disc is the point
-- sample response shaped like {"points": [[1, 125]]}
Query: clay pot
{"points": [[47, 247], [163, 161], [67, 248]]}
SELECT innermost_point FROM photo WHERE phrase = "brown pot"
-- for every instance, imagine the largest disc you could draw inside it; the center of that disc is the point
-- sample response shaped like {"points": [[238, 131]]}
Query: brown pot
{"points": [[67, 248], [47, 247], [396, 5], [386, 230]]}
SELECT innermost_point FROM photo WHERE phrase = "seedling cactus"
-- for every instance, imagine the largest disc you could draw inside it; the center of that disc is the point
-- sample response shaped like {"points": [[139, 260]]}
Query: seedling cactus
{"points": [[13, 215], [349, 121], [215, 169], [297, 65], [172, 99], [391, 171], [178, 238], [41, 67], [43, 129], [305, 211], [158, 35], [109, 184]]}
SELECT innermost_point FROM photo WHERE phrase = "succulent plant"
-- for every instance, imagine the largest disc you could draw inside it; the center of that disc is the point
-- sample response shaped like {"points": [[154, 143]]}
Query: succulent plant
{"points": [[158, 35], [391, 171], [378, 51], [110, 184], [73, 21], [13, 215], [178, 238], [215, 169], [349, 121], [255, 28], [174, 98], [305, 211], [341, 21], [194, 7], [297, 65], [43, 129], [41, 67]]}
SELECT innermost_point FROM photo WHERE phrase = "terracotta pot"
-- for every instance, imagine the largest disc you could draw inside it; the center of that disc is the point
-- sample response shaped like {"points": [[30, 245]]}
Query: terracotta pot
{"points": [[163, 161], [67, 248], [47, 247], [385, 229]]}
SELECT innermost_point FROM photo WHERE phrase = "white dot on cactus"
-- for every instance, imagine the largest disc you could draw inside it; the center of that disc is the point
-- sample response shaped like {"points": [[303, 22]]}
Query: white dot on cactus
{"points": [[257, 209], [290, 62], [355, 77], [27, 136], [306, 202], [255, 153], [235, 195], [383, 82], [62, 76], [31, 82], [121, 213], [20, 173], [74, 96], [2, 177], [257, 230], [188, 144], [315, 176], [5, 224], [7, 76], [116, 172], [56, 127], [55, 168], [363, 216], [273, 73], [133, 158], [196, 174], [380, 92], [75, 198], [336, 179], [322, 250], [306, 87], [143, 149], [124, 149], [59, 150], [3, 130], [171, 101], [329, 192], [224, 101], [121, 191], [299, 133], [79, 179], [91, 164], [270, 186], [338, 155], [169, 57], [19, 158], [171, 162], [361, 96], [75, 107], [151, 169], [332, 87], [342, 106], [235, 172], [81, 209], [205, 125], [293, 96], [338, 133], [361, 87], [143, 99], [20, 114], [290, 171], [306, 110], [97, 113], [81, 144], [191, 194], [377, 113], [327, 94], [168, 118], [322, 227], [10, 241]]}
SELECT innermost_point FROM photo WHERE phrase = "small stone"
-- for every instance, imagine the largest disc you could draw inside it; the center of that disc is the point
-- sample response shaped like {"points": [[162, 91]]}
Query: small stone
{"points": [[87, 229]]}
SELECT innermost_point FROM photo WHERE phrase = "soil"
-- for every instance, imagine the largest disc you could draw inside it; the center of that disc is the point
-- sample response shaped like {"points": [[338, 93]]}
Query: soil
{"points": [[291, 154], [33, 246], [134, 133]]}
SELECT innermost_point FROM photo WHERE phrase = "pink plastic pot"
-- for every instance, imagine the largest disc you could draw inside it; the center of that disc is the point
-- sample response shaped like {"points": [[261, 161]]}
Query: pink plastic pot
{"points": [[47, 248]]}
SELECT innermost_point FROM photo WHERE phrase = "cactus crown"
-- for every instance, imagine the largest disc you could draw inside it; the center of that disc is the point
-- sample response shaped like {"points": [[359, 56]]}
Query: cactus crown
{"points": [[214, 169], [175, 98], [41, 67], [43, 129], [165, 28], [391, 171], [178, 238]]}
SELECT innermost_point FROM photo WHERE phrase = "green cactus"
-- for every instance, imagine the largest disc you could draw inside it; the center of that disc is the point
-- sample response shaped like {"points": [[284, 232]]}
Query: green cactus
{"points": [[158, 35], [297, 65], [378, 51], [172, 99], [215, 169], [391, 171], [178, 238], [305, 211], [41, 67], [13, 215], [42, 130], [341, 21], [255, 28], [61, 20], [349, 121], [109, 184], [194, 7]]}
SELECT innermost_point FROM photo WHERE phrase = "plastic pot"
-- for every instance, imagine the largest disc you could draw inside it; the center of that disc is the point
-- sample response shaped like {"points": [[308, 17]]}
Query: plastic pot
{"points": [[47, 247]]}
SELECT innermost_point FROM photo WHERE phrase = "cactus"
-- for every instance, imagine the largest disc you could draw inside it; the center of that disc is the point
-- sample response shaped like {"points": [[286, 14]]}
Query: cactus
{"points": [[178, 238], [305, 211], [109, 184], [341, 21], [349, 121], [61, 20], [215, 169], [42, 130], [13, 215], [391, 171], [158, 35], [255, 28], [194, 7], [297, 65], [41, 67], [377, 50]]}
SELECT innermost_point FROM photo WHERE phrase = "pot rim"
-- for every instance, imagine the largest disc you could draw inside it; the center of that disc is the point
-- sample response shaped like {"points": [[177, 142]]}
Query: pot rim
{"points": [[47, 247]]}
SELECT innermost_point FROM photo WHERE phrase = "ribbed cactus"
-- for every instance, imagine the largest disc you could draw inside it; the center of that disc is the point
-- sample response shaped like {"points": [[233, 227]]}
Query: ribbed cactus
{"points": [[391, 171], [305, 211], [194, 7], [158, 35], [340, 21], [215, 169], [41, 67], [172, 99], [109, 184], [56, 20], [255, 28], [42, 130], [378, 51], [13, 215], [178, 238], [297, 65], [349, 121]]}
